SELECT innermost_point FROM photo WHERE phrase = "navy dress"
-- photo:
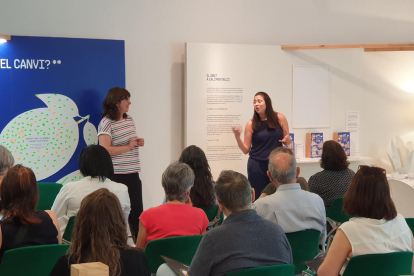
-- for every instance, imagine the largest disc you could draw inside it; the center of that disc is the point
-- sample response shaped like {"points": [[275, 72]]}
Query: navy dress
{"points": [[264, 140]]}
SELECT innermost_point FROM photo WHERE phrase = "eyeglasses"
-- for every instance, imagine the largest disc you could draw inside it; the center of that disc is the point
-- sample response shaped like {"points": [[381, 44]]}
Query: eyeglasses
{"points": [[366, 167]]}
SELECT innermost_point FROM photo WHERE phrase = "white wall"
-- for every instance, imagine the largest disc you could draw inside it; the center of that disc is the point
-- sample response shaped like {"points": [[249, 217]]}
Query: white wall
{"points": [[155, 32]]}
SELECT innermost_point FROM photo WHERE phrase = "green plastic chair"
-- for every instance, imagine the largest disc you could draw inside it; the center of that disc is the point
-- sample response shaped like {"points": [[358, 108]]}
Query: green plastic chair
{"points": [[389, 264], [211, 213], [274, 270], [32, 260], [67, 236], [182, 249], [47, 194], [335, 216], [410, 222], [305, 247]]}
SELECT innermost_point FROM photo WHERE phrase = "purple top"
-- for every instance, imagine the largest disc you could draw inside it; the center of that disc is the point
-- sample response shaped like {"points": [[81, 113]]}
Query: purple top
{"points": [[265, 140]]}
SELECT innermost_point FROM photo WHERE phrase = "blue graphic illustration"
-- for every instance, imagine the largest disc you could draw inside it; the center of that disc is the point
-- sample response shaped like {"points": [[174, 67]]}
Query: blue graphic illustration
{"points": [[51, 96]]}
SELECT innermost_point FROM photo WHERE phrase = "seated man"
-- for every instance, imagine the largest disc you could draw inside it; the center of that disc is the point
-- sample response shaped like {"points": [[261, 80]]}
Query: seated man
{"points": [[291, 207], [244, 240], [270, 189]]}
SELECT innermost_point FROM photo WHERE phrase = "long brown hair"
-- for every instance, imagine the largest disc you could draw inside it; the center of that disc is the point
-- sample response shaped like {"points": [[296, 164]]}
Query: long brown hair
{"points": [[20, 195], [272, 120], [202, 193], [99, 231], [369, 195], [114, 97]]}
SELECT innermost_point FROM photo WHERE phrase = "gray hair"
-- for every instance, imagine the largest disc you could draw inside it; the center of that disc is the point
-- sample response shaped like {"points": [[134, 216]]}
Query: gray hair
{"points": [[233, 190], [280, 172], [6, 160], [177, 180]]}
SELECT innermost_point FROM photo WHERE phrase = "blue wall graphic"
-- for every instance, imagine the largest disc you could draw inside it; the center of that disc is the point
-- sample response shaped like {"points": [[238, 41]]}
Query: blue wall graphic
{"points": [[51, 94]]}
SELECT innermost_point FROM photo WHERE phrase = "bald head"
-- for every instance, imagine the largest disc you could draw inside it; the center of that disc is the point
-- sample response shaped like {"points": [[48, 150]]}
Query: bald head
{"points": [[282, 167]]}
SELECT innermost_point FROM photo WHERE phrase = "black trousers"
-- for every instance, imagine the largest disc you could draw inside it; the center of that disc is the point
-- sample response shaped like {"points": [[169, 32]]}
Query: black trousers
{"points": [[134, 185]]}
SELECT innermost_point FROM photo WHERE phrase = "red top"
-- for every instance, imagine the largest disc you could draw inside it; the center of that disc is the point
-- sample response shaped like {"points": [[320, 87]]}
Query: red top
{"points": [[170, 220]]}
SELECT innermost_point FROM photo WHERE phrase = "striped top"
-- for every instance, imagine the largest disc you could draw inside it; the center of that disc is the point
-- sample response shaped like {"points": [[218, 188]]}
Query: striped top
{"points": [[121, 132]]}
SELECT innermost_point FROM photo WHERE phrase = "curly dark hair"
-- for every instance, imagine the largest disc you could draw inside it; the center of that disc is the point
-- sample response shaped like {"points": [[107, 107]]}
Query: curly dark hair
{"points": [[272, 120], [202, 193], [114, 97], [333, 157]]}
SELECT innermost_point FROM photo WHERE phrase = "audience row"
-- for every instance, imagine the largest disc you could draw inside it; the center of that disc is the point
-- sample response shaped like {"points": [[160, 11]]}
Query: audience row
{"points": [[251, 235]]}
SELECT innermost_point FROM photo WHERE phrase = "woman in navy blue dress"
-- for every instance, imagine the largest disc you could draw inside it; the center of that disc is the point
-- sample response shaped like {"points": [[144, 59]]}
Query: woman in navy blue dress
{"points": [[266, 131]]}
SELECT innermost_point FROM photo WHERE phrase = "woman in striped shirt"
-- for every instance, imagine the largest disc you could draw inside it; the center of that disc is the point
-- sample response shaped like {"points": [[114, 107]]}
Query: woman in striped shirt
{"points": [[117, 133]]}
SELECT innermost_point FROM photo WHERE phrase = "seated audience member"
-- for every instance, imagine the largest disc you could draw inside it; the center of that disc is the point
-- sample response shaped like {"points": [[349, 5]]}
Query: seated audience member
{"points": [[335, 178], [95, 165], [270, 189], [244, 240], [20, 195], [6, 162], [177, 217], [375, 227], [202, 193], [100, 235], [291, 207]]}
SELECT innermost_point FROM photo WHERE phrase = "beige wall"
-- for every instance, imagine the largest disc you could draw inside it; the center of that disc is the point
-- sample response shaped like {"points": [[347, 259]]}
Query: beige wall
{"points": [[155, 32]]}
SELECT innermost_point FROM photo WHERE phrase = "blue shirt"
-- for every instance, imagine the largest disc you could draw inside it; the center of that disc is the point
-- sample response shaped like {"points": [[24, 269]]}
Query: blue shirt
{"points": [[294, 209]]}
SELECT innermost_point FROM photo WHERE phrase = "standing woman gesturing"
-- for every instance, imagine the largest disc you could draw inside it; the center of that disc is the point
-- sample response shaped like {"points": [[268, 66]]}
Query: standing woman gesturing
{"points": [[266, 131], [117, 133]]}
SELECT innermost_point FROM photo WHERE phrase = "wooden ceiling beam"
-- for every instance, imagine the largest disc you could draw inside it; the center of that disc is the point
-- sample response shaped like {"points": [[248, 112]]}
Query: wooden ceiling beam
{"points": [[348, 46], [389, 49]]}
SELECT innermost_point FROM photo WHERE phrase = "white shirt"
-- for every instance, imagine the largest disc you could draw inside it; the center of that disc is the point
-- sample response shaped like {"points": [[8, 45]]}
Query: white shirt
{"points": [[373, 236], [294, 209], [68, 201]]}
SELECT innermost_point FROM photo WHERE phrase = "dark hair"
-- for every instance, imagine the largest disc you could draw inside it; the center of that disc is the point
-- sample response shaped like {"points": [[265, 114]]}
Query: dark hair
{"points": [[272, 120], [95, 161], [233, 190], [99, 231], [20, 195], [333, 157], [369, 195], [202, 193], [114, 97]]}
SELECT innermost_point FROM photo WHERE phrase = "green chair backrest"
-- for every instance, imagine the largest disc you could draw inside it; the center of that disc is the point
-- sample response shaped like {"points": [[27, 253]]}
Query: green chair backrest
{"points": [[389, 264], [410, 222], [67, 236], [335, 212], [211, 213], [47, 194], [181, 249], [274, 270], [305, 247], [32, 260]]}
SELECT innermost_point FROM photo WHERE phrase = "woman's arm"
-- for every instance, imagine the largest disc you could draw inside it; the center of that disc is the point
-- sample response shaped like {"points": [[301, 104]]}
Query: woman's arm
{"points": [[248, 132], [105, 141], [56, 223], [285, 127], [337, 254], [142, 236]]}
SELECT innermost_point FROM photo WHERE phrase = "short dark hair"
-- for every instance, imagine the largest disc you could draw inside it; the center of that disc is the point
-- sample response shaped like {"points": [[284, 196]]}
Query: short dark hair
{"points": [[20, 195], [95, 161], [333, 157], [233, 190], [115, 96], [369, 195]]}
